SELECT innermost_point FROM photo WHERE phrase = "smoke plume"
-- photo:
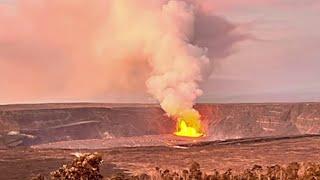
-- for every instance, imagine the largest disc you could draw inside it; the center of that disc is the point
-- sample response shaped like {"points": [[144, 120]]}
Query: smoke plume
{"points": [[83, 50]]}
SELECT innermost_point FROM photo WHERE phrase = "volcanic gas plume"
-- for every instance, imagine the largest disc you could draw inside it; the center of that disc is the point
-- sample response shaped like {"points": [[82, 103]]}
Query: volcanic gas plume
{"points": [[177, 67], [78, 49]]}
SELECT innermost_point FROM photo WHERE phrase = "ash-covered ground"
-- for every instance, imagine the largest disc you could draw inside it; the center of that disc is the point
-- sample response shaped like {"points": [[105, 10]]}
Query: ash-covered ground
{"points": [[23, 163], [136, 138]]}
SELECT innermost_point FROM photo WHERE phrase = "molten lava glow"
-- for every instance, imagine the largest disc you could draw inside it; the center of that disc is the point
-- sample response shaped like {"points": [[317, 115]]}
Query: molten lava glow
{"points": [[189, 125], [186, 131]]}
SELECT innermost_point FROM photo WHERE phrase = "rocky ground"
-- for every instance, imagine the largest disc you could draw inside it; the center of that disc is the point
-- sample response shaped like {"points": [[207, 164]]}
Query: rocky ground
{"points": [[135, 138], [23, 163]]}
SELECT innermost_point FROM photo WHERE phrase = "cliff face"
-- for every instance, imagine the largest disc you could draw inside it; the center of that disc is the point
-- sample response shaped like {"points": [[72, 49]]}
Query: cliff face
{"points": [[254, 120], [55, 122], [70, 122]]}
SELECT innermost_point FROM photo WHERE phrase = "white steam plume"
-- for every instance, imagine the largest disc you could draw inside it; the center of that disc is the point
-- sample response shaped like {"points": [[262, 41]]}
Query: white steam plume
{"points": [[177, 64]]}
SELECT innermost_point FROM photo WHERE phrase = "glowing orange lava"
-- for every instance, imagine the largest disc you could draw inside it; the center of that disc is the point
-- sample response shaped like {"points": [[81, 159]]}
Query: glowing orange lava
{"points": [[189, 125]]}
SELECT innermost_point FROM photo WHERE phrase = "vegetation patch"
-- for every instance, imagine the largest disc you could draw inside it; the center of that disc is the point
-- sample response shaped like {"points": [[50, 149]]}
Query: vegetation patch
{"points": [[86, 166]]}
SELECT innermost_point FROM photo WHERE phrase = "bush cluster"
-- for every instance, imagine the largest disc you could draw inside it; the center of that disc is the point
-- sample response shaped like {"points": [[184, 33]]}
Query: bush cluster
{"points": [[87, 167], [84, 167]]}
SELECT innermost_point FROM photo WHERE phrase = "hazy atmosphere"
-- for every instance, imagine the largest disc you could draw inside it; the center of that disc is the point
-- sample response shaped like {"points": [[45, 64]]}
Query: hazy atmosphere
{"points": [[159, 89], [113, 51]]}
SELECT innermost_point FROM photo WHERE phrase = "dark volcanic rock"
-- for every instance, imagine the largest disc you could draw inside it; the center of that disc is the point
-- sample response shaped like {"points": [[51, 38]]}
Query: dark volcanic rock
{"points": [[69, 123], [256, 120], [60, 122]]}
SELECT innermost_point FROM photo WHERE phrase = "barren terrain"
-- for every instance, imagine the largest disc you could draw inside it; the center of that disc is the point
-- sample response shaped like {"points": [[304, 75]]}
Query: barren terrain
{"points": [[136, 138], [46, 123], [22, 163]]}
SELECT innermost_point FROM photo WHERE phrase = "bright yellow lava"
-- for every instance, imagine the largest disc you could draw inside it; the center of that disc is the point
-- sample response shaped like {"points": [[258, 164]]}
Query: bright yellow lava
{"points": [[189, 124], [186, 131]]}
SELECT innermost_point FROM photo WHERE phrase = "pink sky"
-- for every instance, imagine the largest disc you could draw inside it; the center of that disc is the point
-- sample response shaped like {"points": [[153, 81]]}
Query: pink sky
{"points": [[279, 63], [282, 65]]}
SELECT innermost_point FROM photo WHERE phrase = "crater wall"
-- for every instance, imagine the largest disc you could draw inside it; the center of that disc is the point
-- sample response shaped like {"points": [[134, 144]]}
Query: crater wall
{"points": [[44, 123]]}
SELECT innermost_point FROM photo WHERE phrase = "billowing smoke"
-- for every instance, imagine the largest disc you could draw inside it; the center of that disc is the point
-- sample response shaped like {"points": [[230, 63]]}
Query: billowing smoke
{"points": [[177, 64], [85, 50]]}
